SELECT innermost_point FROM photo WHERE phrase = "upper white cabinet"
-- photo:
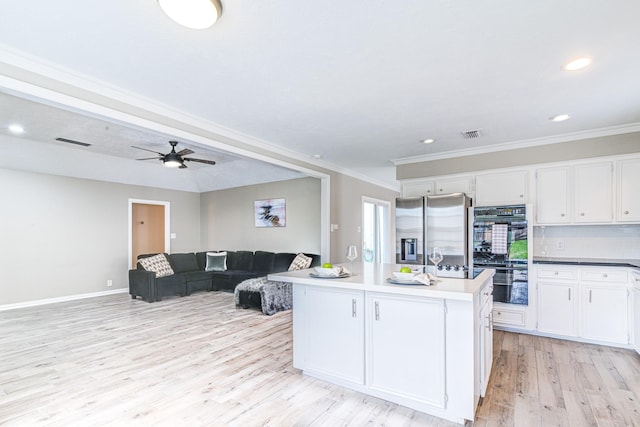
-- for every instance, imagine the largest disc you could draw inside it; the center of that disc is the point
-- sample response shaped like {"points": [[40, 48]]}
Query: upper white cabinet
{"points": [[462, 184], [628, 206], [504, 188], [594, 193], [419, 188], [581, 194], [552, 189]]}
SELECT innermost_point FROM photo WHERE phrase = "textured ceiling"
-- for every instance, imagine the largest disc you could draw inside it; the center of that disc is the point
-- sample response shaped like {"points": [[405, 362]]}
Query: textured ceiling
{"points": [[358, 82]]}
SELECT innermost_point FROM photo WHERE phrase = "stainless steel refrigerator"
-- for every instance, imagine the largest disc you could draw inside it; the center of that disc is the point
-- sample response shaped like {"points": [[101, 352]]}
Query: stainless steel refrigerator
{"points": [[447, 222], [410, 230]]}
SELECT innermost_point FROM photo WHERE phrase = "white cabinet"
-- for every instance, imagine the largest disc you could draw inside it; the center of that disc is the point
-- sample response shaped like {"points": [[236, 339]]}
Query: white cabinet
{"points": [[552, 195], [407, 361], [485, 334], [604, 305], [333, 332], [635, 280], [628, 179], [418, 188], [557, 308], [593, 193], [504, 188], [587, 302], [463, 184]]}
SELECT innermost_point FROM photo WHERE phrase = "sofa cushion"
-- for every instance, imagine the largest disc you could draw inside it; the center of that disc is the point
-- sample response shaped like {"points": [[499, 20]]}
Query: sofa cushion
{"points": [[184, 262], [300, 262], [216, 261], [159, 264], [263, 262], [282, 261], [232, 260], [244, 261]]}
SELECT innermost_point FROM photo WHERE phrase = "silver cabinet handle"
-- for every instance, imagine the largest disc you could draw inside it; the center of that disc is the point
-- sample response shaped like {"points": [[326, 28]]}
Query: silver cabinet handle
{"points": [[626, 212], [590, 291], [605, 275], [569, 294], [353, 308], [377, 309], [561, 214], [581, 213]]}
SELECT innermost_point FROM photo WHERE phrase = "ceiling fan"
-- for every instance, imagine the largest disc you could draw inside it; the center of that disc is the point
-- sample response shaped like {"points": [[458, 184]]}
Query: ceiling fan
{"points": [[173, 159]]}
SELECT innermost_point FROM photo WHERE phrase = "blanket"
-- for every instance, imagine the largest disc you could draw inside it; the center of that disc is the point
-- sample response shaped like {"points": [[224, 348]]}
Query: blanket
{"points": [[274, 296]]}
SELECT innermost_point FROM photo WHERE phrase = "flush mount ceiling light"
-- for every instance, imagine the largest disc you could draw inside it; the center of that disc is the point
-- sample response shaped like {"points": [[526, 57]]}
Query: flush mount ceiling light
{"points": [[195, 14], [15, 128], [577, 64], [560, 118], [428, 141]]}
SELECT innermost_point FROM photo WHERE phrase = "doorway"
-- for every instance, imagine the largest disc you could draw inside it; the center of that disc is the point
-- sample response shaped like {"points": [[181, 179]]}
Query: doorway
{"points": [[148, 228], [376, 231]]}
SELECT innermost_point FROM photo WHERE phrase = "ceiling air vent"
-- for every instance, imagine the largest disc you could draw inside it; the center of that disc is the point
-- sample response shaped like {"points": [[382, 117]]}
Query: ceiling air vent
{"points": [[71, 141], [471, 134]]}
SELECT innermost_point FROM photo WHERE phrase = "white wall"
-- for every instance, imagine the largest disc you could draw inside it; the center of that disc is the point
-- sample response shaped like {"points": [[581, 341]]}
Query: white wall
{"points": [[67, 236], [228, 219], [588, 241]]}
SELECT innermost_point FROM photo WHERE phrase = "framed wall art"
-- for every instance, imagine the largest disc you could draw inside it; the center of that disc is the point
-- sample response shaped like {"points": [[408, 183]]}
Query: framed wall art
{"points": [[270, 213]]}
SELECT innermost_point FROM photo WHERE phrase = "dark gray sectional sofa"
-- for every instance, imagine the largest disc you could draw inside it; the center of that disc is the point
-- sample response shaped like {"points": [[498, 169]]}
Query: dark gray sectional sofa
{"points": [[190, 275]]}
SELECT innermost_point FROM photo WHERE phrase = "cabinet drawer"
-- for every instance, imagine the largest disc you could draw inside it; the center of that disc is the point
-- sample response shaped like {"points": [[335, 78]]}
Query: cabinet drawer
{"points": [[604, 276], [557, 273], [508, 317]]}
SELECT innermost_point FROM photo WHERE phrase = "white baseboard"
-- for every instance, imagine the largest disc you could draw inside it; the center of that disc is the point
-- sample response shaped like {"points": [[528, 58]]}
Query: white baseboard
{"points": [[62, 299]]}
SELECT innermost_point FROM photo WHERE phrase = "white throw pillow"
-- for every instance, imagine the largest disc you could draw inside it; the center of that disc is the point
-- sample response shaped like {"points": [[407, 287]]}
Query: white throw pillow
{"points": [[300, 262], [159, 264]]}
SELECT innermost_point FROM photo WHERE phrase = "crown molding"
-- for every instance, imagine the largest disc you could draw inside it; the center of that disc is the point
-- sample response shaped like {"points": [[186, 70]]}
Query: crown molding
{"points": [[555, 139]]}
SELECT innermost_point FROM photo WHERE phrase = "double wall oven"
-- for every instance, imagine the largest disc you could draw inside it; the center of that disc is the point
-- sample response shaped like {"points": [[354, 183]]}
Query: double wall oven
{"points": [[500, 242]]}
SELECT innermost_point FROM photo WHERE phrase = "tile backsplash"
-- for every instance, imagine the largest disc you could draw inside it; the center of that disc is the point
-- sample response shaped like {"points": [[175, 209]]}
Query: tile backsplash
{"points": [[587, 241]]}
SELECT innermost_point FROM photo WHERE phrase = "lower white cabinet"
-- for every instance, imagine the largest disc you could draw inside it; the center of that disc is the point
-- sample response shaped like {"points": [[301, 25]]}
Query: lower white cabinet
{"points": [[334, 335], [407, 361], [557, 312], [485, 334], [636, 311], [591, 303], [604, 314]]}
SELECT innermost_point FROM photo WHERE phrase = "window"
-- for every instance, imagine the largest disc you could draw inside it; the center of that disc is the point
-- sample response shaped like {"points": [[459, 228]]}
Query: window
{"points": [[376, 239]]}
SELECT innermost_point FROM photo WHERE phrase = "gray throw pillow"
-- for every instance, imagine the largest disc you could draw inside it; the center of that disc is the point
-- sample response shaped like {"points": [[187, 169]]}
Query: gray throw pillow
{"points": [[216, 261]]}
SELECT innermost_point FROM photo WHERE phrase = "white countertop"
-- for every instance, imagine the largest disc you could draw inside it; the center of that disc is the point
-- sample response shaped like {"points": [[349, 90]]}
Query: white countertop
{"points": [[373, 277]]}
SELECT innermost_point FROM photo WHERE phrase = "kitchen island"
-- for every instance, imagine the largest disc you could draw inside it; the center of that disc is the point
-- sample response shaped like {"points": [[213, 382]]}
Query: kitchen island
{"points": [[425, 347]]}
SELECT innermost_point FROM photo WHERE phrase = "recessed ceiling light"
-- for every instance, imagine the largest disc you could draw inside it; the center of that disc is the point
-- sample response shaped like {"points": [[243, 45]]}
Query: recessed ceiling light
{"points": [[560, 118], [578, 64], [16, 128], [428, 141], [317, 156], [195, 14]]}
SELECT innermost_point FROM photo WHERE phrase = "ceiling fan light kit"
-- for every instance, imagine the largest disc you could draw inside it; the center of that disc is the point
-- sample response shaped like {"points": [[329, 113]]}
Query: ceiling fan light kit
{"points": [[194, 14], [173, 159]]}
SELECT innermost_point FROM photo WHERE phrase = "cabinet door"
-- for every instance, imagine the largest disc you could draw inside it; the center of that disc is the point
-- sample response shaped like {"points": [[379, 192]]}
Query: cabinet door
{"points": [[486, 346], [594, 193], [636, 319], [506, 188], [407, 347], [335, 333], [454, 185], [416, 189], [552, 195], [628, 190], [557, 308], [604, 314]]}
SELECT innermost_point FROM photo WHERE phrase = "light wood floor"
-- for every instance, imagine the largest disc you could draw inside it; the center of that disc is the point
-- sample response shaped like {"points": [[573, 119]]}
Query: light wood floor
{"points": [[199, 361]]}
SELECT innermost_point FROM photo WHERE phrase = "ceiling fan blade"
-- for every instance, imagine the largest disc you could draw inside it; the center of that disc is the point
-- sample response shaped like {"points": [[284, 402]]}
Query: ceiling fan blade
{"points": [[151, 151], [182, 166], [151, 158], [185, 152], [209, 162]]}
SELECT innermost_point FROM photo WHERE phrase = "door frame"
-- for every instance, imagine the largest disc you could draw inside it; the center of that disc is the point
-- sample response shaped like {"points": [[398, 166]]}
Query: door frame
{"points": [[167, 225]]}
